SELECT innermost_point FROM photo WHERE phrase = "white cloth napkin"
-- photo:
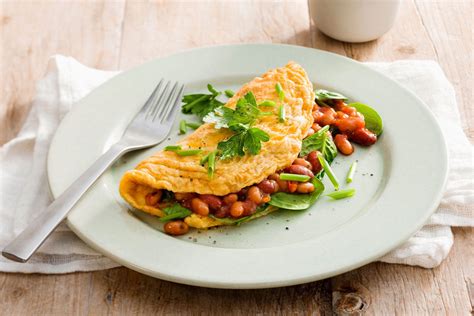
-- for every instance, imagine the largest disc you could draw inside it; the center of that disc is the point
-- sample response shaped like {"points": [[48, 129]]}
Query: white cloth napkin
{"points": [[24, 187]]}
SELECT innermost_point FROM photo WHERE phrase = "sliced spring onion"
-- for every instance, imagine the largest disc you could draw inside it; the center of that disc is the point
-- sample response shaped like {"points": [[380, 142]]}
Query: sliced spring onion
{"points": [[294, 177], [281, 113], [351, 172], [329, 172], [267, 103], [342, 194], [204, 159], [172, 148], [279, 90], [229, 93], [189, 152], [182, 127], [211, 163], [193, 125]]}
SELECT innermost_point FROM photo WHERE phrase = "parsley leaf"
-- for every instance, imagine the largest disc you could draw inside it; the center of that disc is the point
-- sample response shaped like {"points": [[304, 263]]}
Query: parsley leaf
{"points": [[175, 211], [201, 104], [252, 140], [231, 147]]}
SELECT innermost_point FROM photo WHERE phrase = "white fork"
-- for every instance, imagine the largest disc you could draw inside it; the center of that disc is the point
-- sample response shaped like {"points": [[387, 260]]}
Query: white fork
{"points": [[150, 126]]}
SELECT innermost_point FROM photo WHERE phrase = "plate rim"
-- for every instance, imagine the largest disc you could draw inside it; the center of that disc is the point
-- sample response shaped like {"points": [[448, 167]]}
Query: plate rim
{"points": [[421, 220]]}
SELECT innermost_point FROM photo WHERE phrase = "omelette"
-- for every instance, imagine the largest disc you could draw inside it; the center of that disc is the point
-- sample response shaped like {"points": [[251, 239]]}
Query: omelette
{"points": [[168, 172]]}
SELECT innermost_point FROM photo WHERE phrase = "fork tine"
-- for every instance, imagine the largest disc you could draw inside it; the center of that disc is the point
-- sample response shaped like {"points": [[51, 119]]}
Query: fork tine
{"points": [[156, 104], [164, 105], [170, 113], [148, 104]]}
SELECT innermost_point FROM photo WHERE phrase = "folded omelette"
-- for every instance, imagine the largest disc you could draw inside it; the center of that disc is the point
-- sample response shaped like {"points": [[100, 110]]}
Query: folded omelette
{"points": [[184, 174]]}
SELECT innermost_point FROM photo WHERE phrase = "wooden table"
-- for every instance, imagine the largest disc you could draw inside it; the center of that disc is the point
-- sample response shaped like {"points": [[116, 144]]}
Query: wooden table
{"points": [[122, 34]]}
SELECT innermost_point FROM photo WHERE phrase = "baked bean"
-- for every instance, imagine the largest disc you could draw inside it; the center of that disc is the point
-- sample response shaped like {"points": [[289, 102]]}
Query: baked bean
{"points": [[199, 207], [314, 161], [338, 105], [282, 185], [310, 132], [292, 186], [176, 228], [230, 198], [349, 110], [213, 201], [274, 176], [297, 169], [268, 186], [153, 198], [266, 198], [306, 187], [250, 207], [349, 124], [344, 146], [302, 162], [184, 196], [328, 117], [237, 209], [316, 127], [255, 194], [222, 212], [363, 136], [341, 115], [317, 115]]}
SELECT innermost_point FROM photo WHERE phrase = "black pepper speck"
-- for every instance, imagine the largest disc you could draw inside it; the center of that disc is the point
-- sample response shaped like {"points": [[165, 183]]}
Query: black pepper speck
{"points": [[287, 228]]}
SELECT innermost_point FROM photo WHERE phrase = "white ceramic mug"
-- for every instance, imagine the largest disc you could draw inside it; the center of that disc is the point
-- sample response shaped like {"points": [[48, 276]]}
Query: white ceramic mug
{"points": [[354, 20]]}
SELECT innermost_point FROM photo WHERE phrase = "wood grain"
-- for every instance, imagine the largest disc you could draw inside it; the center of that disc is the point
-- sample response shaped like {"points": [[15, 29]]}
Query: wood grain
{"points": [[122, 34]]}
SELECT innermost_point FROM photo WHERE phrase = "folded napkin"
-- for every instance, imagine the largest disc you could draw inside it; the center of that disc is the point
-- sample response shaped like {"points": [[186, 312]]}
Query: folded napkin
{"points": [[24, 187]]}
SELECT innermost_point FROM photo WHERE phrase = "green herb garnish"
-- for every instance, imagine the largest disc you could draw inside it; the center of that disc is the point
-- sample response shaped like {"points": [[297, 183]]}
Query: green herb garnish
{"points": [[229, 93], [351, 172], [174, 211], [267, 103], [201, 104], [211, 163], [322, 142], [281, 113], [182, 127], [297, 202], [327, 168], [193, 125], [280, 92], [294, 177], [188, 152], [373, 121], [172, 148], [342, 194], [246, 139]]}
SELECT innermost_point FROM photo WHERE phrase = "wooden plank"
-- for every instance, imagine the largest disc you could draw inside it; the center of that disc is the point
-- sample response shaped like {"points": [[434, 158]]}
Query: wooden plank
{"points": [[155, 29], [33, 31]]}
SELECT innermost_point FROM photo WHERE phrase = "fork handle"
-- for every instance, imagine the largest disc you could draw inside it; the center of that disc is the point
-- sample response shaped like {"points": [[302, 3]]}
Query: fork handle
{"points": [[30, 239]]}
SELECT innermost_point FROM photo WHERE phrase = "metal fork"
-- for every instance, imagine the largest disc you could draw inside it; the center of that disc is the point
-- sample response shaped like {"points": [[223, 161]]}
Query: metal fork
{"points": [[150, 126]]}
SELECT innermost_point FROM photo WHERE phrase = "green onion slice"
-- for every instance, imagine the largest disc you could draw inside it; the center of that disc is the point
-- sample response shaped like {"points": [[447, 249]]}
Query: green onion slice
{"points": [[193, 125], [281, 114], [280, 92], [229, 93], [204, 159], [211, 163], [190, 152], [182, 127], [294, 177], [350, 174], [267, 103], [172, 148], [329, 172], [342, 194]]}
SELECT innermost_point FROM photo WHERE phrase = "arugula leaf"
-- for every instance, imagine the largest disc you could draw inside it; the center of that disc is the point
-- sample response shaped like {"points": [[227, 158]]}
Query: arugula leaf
{"points": [[322, 142], [297, 202], [174, 211], [201, 104], [373, 121]]}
